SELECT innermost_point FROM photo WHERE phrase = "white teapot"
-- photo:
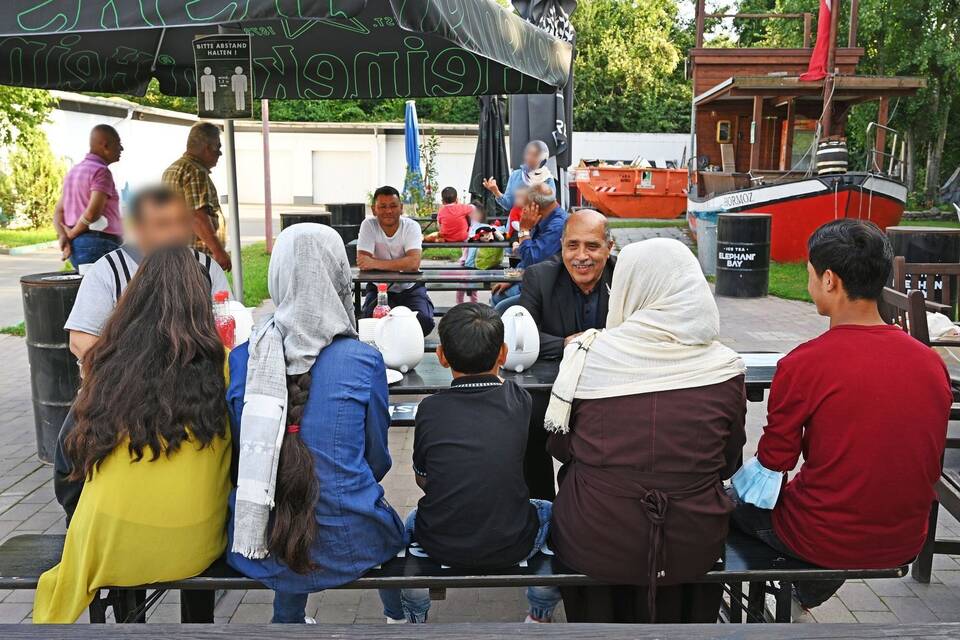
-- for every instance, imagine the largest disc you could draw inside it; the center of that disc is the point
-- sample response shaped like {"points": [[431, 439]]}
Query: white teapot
{"points": [[522, 337], [400, 339]]}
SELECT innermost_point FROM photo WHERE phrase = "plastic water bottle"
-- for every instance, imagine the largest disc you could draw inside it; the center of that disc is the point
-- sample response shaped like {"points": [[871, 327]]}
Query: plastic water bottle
{"points": [[383, 306], [226, 324]]}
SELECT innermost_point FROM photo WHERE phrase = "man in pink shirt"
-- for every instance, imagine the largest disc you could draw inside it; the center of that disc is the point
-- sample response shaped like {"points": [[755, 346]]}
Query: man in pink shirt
{"points": [[87, 216]]}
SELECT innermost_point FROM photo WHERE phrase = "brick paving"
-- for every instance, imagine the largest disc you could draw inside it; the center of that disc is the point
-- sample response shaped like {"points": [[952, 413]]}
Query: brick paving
{"points": [[27, 505]]}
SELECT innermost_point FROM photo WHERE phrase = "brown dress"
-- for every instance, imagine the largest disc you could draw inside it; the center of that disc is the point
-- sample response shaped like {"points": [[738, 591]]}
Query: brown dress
{"points": [[641, 499]]}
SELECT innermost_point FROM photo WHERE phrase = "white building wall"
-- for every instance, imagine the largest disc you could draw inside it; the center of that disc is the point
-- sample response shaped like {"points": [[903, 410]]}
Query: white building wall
{"points": [[317, 163]]}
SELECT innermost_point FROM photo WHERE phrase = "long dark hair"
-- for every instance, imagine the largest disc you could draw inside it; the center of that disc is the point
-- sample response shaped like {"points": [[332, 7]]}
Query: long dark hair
{"points": [[156, 370], [295, 500]]}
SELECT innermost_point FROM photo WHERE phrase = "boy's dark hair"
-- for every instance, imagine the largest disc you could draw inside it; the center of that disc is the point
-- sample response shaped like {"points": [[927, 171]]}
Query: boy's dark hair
{"points": [[857, 251], [157, 195], [448, 195], [471, 335], [385, 190]]}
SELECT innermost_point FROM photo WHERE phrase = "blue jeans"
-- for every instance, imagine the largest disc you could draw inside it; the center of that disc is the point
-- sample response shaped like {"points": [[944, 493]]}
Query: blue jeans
{"points": [[506, 299], [414, 604], [87, 248], [289, 608], [415, 298]]}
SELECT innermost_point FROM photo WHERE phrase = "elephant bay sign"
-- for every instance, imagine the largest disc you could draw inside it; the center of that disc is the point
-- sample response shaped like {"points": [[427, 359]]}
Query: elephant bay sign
{"points": [[224, 79]]}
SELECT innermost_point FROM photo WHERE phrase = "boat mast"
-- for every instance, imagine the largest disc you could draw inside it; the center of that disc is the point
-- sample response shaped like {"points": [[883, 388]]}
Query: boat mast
{"points": [[827, 117]]}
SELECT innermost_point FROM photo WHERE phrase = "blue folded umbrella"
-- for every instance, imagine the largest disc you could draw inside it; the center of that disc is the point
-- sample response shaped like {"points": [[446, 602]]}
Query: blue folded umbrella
{"points": [[757, 485]]}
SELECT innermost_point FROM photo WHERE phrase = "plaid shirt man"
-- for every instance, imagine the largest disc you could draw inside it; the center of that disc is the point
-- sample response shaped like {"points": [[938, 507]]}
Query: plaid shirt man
{"points": [[192, 179]]}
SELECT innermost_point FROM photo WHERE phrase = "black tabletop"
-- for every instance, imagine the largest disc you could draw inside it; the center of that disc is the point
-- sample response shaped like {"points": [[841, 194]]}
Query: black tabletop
{"points": [[455, 276], [429, 377], [458, 245]]}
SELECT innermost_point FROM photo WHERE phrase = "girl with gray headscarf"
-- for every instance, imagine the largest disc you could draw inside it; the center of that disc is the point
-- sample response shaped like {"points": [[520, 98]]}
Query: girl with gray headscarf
{"points": [[532, 171], [309, 413]]}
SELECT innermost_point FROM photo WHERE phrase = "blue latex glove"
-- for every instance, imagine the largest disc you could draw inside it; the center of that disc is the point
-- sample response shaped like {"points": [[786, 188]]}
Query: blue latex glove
{"points": [[757, 485]]}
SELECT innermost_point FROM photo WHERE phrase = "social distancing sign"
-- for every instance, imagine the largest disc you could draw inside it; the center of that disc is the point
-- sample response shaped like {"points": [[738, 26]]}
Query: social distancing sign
{"points": [[224, 78]]}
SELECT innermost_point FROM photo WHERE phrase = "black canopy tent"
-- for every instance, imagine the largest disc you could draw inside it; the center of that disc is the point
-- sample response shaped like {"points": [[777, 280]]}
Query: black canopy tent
{"points": [[301, 49]]}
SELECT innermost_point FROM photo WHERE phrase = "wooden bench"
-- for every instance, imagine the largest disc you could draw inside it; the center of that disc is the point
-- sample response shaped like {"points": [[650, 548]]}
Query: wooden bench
{"points": [[746, 560]]}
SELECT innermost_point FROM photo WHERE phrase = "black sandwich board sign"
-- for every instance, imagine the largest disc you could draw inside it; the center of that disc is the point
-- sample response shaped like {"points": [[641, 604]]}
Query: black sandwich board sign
{"points": [[224, 80]]}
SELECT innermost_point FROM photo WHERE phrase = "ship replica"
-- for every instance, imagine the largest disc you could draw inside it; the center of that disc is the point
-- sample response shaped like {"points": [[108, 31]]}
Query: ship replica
{"points": [[767, 131]]}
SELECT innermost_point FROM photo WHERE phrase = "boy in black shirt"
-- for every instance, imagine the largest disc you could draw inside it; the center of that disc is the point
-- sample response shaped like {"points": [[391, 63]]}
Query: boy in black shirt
{"points": [[468, 453]]}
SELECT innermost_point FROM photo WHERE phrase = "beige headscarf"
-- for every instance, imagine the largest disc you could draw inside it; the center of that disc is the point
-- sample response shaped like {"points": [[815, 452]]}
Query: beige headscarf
{"points": [[661, 334]]}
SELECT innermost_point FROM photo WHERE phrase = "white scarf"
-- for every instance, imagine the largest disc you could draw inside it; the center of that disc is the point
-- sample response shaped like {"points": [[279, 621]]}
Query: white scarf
{"points": [[661, 334], [309, 281]]}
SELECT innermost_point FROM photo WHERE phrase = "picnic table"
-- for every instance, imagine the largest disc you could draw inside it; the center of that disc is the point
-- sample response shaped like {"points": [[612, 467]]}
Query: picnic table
{"points": [[440, 276], [430, 221], [429, 376], [458, 245]]}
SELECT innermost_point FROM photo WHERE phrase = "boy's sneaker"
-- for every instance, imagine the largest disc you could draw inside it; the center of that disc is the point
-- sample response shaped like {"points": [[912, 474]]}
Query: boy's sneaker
{"points": [[309, 620], [531, 620], [400, 621]]}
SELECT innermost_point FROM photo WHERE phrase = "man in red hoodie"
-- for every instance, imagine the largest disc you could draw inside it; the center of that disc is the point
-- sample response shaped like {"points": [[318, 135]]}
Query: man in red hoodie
{"points": [[867, 407]]}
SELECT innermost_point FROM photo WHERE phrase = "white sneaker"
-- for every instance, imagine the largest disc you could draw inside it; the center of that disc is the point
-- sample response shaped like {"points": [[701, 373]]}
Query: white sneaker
{"points": [[309, 620], [400, 621], [531, 620]]}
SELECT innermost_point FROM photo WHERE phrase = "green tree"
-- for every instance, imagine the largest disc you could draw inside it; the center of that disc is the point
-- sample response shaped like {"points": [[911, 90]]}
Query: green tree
{"points": [[627, 73], [30, 189], [22, 111]]}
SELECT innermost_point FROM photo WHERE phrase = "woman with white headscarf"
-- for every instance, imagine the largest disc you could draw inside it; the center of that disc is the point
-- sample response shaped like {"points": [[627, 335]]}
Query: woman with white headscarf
{"points": [[309, 413], [532, 171], [648, 416]]}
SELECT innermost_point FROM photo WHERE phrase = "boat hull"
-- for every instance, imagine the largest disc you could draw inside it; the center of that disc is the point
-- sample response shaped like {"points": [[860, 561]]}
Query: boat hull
{"points": [[798, 208], [629, 192]]}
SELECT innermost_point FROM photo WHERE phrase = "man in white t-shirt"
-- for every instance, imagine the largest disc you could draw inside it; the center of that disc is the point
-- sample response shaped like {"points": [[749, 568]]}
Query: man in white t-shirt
{"points": [[158, 217], [390, 242]]}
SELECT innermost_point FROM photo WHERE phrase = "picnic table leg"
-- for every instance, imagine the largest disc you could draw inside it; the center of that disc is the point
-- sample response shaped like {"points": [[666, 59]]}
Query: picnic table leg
{"points": [[356, 299], [784, 602], [755, 601], [197, 606], [125, 603], [923, 566], [736, 602], [98, 609]]}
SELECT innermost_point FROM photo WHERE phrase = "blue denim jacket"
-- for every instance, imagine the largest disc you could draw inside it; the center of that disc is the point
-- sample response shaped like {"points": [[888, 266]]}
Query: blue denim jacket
{"points": [[545, 239], [344, 425]]}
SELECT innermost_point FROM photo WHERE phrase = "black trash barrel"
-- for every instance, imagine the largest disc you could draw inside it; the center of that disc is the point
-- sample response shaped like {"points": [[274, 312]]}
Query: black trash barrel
{"points": [[348, 213], [296, 217], [743, 254], [927, 244], [348, 232], [54, 375]]}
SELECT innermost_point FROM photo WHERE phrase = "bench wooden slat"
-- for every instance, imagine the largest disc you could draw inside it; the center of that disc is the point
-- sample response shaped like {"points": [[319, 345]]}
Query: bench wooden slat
{"points": [[23, 558], [486, 631]]}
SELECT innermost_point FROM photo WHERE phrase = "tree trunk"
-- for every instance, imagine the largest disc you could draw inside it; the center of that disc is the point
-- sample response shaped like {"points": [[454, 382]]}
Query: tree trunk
{"points": [[935, 152], [910, 170]]}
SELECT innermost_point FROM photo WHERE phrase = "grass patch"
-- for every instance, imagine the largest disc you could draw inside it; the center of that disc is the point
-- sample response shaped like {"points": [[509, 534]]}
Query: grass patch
{"points": [[16, 330], [255, 260], [789, 280], [10, 238], [441, 254], [627, 223]]}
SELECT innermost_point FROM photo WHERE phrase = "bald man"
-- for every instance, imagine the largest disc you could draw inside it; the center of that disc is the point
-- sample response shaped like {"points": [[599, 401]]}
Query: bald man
{"points": [[566, 295], [87, 216]]}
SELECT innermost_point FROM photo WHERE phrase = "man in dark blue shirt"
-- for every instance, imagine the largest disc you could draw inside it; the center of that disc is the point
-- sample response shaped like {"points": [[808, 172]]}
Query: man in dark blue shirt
{"points": [[541, 232]]}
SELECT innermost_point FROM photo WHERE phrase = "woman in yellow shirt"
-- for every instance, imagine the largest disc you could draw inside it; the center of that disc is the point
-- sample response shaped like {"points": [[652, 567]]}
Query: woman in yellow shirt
{"points": [[151, 442]]}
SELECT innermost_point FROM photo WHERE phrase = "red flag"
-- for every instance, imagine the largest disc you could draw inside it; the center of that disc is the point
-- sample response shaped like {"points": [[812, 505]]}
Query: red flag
{"points": [[818, 61]]}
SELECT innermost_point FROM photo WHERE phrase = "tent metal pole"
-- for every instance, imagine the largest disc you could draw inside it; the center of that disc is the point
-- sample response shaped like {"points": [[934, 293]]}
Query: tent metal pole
{"points": [[233, 222], [267, 195]]}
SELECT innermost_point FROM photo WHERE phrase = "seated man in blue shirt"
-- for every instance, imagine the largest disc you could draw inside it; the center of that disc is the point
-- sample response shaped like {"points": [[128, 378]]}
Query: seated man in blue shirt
{"points": [[541, 231]]}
